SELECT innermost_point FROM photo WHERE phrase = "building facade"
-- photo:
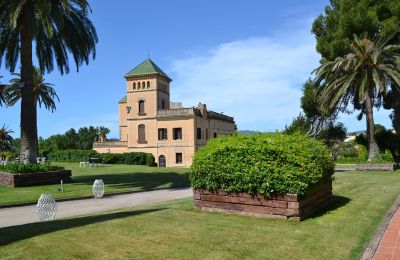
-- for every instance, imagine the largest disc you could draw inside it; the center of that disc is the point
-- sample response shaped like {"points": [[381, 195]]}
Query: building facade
{"points": [[149, 122]]}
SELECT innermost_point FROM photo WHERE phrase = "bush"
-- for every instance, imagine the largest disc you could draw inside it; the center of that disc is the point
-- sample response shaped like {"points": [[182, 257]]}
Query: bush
{"points": [[8, 155], [135, 158], [28, 168], [71, 155], [265, 163]]}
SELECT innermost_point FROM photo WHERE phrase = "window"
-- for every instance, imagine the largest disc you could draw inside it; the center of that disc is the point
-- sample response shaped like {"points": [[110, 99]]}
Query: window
{"points": [[198, 133], [215, 135], [177, 133], [141, 134], [178, 157], [143, 85], [148, 84], [163, 104], [134, 85], [207, 134], [162, 133], [141, 107], [162, 161]]}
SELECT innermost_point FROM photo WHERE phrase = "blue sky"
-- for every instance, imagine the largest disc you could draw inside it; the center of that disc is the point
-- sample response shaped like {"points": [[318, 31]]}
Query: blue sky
{"points": [[247, 59]]}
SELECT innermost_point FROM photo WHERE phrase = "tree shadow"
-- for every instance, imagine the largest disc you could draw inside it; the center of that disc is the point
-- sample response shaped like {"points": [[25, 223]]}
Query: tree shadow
{"points": [[13, 234], [146, 181], [336, 202]]}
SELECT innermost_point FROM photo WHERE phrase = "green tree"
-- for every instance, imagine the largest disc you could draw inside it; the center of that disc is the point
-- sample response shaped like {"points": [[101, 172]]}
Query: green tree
{"points": [[2, 93], [56, 27], [299, 125], [362, 77], [342, 19], [6, 140]]}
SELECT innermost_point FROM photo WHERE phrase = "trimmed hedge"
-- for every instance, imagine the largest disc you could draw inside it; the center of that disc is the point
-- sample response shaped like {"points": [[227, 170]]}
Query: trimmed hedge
{"points": [[108, 158], [71, 155], [268, 164], [28, 168]]}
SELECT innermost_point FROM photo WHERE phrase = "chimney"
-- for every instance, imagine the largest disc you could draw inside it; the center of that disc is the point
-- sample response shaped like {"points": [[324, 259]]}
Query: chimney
{"points": [[203, 109]]}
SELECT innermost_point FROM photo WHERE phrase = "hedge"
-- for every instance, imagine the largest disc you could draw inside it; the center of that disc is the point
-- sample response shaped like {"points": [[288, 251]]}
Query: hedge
{"points": [[28, 167], [108, 158], [268, 164]]}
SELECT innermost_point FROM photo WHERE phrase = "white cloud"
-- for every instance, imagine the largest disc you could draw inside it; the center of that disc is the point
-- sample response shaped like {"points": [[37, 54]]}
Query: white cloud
{"points": [[256, 80]]}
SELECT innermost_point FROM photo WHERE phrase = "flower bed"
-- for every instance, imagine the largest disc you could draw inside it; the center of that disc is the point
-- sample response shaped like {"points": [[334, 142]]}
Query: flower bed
{"points": [[257, 174], [32, 179], [288, 206]]}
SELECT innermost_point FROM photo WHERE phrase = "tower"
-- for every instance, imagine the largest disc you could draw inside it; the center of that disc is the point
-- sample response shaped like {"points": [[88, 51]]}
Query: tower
{"points": [[147, 91]]}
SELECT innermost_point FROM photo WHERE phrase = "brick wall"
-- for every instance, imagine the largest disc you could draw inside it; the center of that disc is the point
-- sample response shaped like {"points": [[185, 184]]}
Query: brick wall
{"points": [[288, 206], [31, 179]]}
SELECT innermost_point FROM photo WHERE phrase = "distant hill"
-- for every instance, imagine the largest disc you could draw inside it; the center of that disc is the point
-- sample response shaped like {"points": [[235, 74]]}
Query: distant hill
{"points": [[248, 132]]}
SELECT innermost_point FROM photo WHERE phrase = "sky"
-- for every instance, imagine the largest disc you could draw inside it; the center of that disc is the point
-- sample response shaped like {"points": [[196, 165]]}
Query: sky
{"points": [[247, 59]]}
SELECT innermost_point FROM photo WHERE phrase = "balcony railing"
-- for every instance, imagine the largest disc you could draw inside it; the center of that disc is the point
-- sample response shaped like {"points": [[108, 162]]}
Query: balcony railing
{"points": [[175, 112], [110, 144]]}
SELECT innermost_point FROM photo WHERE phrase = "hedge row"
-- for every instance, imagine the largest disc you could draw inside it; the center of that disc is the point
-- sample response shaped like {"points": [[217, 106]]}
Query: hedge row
{"points": [[28, 167], [109, 158], [265, 163]]}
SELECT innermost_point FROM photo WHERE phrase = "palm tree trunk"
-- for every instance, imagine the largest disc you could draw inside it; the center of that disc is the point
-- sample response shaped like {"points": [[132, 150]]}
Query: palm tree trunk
{"points": [[373, 145], [395, 116], [28, 151]]}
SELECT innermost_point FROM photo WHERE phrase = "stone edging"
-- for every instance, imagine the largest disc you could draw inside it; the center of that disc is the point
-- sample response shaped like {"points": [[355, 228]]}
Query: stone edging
{"points": [[380, 231]]}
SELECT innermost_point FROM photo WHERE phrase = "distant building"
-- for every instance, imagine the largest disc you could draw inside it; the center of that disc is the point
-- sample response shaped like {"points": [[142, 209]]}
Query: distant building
{"points": [[150, 122]]}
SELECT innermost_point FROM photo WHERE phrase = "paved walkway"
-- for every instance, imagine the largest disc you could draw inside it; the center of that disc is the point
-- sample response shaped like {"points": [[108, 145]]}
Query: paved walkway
{"points": [[65, 209], [389, 246]]}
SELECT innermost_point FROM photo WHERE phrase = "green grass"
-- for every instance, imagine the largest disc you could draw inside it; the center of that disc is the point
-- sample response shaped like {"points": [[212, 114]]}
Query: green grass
{"points": [[175, 230], [117, 179]]}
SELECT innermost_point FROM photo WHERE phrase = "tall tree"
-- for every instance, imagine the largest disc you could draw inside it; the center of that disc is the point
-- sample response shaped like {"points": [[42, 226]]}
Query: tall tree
{"points": [[43, 92], [362, 77], [56, 27], [2, 93], [6, 140]]}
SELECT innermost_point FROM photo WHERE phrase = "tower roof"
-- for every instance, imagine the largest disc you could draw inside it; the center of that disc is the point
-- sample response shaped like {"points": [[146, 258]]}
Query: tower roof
{"points": [[145, 68]]}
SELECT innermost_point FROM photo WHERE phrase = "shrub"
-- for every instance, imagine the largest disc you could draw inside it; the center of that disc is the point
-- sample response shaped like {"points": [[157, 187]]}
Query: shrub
{"points": [[129, 158], [8, 155], [265, 163], [28, 168], [72, 155]]}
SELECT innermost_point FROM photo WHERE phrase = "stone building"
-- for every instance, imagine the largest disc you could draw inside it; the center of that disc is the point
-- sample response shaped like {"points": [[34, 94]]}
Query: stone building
{"points": [[150, 122]]}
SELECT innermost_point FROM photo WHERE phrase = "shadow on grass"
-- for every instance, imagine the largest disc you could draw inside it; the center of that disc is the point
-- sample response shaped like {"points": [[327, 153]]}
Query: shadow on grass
{"points": [[336, 203], [146, 181], [13, 234]]}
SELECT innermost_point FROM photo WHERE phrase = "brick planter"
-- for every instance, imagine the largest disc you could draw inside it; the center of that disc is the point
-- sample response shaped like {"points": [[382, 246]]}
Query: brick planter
{"points": [[376, 167], [32, 179], [288, 206]]}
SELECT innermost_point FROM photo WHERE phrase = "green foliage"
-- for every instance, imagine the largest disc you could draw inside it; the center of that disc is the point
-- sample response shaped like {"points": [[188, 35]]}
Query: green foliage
{"points": [[334, 30], [28, 167], [263, 163], [133, 158], [71, 155], [8, 155], [6, 140], [129, 158], [299, 125]]}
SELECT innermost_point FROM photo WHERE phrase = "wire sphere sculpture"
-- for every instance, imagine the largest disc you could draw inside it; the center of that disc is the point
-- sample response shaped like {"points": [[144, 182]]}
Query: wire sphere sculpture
{"points": [[46, 207], [98, 189]]}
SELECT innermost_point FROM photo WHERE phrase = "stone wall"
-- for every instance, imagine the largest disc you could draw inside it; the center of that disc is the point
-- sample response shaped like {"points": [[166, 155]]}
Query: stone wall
{"points": [[375, 167], [32, 179], [288, 206]]}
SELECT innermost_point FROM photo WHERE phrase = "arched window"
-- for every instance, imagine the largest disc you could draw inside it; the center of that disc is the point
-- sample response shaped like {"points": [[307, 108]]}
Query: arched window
{"points": [[148, 84], [162, 161], [134, 85], [141, 107], [163, 104], [141, 134], [143, 85]]}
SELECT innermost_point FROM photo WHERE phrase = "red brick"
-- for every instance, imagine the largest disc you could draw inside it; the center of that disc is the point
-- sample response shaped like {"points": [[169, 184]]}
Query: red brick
{"points": [[279, 211], [293, 212], [291, 197]]}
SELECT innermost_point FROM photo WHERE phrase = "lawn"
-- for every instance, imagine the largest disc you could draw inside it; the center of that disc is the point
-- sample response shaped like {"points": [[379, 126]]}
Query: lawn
{"points": [[117, 179], [175, 230]]}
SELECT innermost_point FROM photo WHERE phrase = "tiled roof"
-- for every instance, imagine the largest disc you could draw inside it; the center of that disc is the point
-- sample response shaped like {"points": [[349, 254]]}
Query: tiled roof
{"points": [[146, 67]]}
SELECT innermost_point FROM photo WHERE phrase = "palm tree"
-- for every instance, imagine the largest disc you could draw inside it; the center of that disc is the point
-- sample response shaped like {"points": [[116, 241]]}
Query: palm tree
{"points": [[56, 27], [6, 140], [2, 93], [43, 92], [362, 77]]}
